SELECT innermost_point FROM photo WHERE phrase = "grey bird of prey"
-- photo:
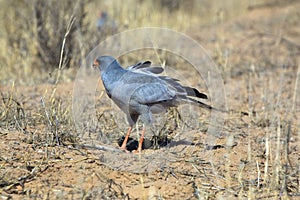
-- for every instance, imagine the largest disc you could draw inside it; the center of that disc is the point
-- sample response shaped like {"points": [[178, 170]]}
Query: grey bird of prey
{"points": [[139, 91]]}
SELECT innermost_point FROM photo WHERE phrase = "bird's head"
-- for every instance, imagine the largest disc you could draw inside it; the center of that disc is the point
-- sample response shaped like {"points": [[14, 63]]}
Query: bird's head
{"points": [[103, 62]]}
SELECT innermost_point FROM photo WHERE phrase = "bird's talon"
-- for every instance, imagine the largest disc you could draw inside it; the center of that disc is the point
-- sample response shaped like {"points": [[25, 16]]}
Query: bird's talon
{"points": [[137, 151], [124, 149]]}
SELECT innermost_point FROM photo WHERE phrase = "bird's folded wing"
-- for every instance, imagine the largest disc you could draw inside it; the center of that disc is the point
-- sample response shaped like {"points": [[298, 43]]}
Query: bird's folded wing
{"points": [[151, 93], [140, 65], [145, 67]]}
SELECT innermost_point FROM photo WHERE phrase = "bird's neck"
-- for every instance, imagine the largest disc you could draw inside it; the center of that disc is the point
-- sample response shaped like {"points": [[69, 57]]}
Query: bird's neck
{"points": [[111, 77]]}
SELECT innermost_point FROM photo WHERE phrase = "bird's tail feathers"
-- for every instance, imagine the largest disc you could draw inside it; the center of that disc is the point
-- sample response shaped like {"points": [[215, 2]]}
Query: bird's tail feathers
{"points": [[203, 105], [193, 92], [208, 107]]}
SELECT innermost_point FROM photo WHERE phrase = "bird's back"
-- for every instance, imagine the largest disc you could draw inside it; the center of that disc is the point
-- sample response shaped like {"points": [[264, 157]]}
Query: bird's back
{"points": [[141, 86]]}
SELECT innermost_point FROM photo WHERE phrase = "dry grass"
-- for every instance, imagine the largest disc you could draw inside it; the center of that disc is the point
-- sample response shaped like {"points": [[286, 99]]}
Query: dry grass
{"points": [[33, 33]]}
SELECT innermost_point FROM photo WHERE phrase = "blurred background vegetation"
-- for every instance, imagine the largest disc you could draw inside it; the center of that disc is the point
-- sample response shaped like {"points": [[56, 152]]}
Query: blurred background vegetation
{"points": [[32, 31]]}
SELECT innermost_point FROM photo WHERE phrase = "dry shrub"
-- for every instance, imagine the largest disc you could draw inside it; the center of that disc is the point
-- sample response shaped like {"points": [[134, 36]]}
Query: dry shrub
{"points": [[33, 34]]}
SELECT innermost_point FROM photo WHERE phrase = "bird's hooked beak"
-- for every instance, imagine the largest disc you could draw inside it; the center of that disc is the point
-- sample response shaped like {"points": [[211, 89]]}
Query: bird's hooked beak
{"points": [[96, 64]]}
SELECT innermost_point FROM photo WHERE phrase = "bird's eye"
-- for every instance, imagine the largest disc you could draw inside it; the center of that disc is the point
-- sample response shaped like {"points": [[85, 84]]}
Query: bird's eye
{"points": [[96, 63]]}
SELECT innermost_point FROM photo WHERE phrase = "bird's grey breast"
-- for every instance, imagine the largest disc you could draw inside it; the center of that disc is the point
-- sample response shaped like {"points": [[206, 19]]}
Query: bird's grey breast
{"points": [[121, 86]]}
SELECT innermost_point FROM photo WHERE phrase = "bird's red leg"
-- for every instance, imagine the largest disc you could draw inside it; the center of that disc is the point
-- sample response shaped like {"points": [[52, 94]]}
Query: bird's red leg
{"points": [[139, 149], [126, 139]]}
